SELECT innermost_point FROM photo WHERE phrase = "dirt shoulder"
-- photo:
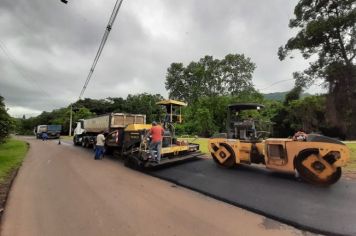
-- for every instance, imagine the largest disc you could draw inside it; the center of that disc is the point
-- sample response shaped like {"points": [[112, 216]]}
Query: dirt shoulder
{"points": [[5, 186]]}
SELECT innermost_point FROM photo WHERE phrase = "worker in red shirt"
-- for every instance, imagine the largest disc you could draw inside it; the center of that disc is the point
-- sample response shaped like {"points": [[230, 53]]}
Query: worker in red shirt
{"points": [[156, 133]]}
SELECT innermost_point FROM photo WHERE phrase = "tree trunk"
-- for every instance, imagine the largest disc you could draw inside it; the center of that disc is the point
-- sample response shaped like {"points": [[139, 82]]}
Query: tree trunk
{"points": [[351, 129]]}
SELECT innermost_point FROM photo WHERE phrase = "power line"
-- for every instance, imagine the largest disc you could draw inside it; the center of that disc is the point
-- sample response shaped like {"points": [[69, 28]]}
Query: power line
{"points": [[278, 82], [102, 44], [19, 69]]}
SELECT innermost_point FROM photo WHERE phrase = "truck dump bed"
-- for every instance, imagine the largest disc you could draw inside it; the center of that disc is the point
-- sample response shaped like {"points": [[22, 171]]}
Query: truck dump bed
{"points": [[112, 121]]}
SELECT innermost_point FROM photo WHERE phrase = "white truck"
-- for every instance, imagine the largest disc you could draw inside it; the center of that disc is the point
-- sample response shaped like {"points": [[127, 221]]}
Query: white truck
{"points": [[87, 129]]}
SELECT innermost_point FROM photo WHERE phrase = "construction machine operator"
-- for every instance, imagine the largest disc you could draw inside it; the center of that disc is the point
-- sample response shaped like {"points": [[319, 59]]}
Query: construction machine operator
{"points": [[156, 133], [300, 135]]}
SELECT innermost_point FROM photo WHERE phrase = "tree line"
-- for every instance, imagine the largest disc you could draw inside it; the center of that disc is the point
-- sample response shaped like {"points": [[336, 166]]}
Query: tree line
{"points": [[204, 117]]}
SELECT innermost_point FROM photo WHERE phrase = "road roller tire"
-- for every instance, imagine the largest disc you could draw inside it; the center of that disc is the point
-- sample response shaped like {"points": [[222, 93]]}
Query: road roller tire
{"points": [[230, 162], [311, 176]]}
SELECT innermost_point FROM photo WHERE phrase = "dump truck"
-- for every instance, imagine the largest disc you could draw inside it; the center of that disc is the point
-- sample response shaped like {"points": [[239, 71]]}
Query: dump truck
{"points": [[52, 131], [87, 129], [315, 158], [132, 143]]}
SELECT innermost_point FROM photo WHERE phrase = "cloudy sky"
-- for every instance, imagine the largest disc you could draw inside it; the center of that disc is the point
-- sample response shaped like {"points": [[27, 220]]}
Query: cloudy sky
{"points": [[47, 47]]}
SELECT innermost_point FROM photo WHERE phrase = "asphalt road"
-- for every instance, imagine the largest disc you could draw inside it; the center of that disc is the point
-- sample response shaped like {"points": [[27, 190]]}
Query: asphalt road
{"points": [[62, 190], [330, 210]]}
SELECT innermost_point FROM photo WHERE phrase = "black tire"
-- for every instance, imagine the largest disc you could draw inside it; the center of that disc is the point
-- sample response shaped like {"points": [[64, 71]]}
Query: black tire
{"points": [[308, 176], [108, 150], [132, 162], [230, 162], [127, 161]]}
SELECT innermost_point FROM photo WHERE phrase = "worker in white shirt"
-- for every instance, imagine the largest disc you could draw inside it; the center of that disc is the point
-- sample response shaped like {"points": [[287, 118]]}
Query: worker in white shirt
{"points": [[99, 147]]}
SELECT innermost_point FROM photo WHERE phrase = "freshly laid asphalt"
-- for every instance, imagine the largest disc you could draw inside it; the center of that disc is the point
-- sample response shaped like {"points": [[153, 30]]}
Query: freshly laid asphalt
{"points": [[330, 210]]}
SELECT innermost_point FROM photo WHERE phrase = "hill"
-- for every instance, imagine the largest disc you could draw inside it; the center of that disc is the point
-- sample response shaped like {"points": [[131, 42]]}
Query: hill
{"points": [[279, 96]]}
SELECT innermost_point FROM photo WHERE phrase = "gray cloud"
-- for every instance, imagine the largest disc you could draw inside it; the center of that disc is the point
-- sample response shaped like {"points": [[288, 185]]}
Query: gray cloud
{"points": [[53, 45]]}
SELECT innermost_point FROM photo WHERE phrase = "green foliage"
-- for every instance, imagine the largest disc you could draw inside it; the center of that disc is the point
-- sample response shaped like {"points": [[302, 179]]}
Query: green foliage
{"points": [[97, 106], [208, 114], [136, 104], [210, 77], [327, 30], [144, 104], [11, 156], [6, 123], [307, 114], [292, 95], [56, 117]]}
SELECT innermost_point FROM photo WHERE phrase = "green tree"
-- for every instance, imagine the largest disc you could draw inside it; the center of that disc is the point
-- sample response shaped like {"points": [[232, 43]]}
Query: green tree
{"points": [[97, 106], [210, 77], [292, 95], [63, 117], [204, 122], [327, 30], [117, 104], [6, 122], [144, 103], [308, 114], [208, 114]]}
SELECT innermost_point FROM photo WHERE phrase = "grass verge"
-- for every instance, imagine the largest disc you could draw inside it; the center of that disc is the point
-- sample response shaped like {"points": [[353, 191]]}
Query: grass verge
{"points": [[12, 154], [67, 138], [351, 166], [203, 143]]}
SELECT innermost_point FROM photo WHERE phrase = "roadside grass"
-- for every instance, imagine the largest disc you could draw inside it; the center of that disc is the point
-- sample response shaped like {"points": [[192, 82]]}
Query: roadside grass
{"points": [[67, 138], [351, 166], [12, 154], [203, 143]]}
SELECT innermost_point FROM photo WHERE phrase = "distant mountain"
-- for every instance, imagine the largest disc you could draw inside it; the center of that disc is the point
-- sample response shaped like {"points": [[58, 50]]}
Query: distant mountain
{"points": [[280, 96]]}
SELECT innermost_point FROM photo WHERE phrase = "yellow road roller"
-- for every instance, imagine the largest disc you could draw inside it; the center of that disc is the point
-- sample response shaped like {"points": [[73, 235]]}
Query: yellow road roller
{"points": [[316, 159]]}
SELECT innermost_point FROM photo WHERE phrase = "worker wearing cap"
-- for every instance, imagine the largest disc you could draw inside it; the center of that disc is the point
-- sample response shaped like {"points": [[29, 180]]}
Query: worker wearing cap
{"points": [[156, 133]]}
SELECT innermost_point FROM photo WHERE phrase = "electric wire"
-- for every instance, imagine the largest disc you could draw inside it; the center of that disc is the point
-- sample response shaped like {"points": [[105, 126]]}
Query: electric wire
{"points": [[20, 71], [102, 44], [277, 82]]}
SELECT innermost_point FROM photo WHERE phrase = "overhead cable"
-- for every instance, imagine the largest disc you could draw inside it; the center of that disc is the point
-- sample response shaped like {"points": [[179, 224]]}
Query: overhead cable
{"points": [[20, 70], [102, 44], [279, 81]]}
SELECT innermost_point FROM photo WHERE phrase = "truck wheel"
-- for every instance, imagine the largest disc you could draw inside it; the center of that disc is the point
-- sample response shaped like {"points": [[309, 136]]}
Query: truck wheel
{"points": [[230, 161], [126, 162], [314, 169], [108, 150], [129, 162]]}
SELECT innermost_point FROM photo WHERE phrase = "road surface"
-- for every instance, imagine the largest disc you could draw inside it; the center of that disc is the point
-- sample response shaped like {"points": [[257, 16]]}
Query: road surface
{"points": [[62, 190], [329, 210]]}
